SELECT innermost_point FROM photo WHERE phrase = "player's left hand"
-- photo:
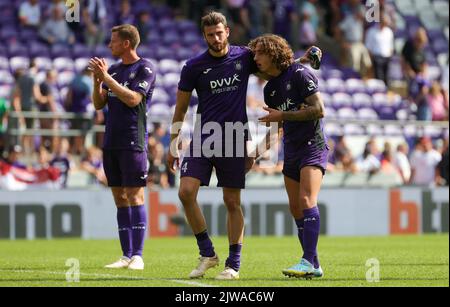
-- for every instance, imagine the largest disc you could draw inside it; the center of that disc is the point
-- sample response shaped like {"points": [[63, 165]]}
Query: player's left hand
{"points": [[99, 67], [274, 116]]}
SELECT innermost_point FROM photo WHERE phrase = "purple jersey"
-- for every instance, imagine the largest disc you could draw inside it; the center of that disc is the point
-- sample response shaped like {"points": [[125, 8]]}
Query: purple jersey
{"points": [[126, 128], [221, 85], [286, 93]]}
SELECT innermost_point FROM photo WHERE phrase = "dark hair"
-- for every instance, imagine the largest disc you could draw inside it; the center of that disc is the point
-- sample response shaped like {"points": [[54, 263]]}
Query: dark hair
{"points": [[277, 48], [128, 32], [213, 19]]}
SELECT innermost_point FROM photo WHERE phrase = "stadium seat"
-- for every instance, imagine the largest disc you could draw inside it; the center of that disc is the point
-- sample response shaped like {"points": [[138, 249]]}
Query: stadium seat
{"points": [[159, 110], [4, 63], [333, 130], [19, 62], [393, 130], [168, 66], [367, 114], [341, 100], [62, 63], [81, 51], [354, 86], [17, 49], [43, 63], [334, 85], [160, 96], [37, 49], [330, 113], [375, 86], [81, 63], [361, 100], [374, 130], [353, 129]]}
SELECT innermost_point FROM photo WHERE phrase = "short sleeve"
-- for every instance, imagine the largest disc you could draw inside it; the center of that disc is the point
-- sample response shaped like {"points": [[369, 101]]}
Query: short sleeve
{"points": [[187, 79], [143, 83], [307, 82]]}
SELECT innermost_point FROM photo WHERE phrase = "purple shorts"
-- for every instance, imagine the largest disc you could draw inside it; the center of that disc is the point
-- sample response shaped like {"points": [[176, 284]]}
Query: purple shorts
{"points": [[307, 155], [125, 168], [230, 171]]}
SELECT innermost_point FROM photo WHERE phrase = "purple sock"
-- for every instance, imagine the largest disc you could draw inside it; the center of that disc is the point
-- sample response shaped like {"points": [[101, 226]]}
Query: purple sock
{"points": [[138, 228], [311, 231], [300, 226], [234, 259], [205, 244], [124, 223]]}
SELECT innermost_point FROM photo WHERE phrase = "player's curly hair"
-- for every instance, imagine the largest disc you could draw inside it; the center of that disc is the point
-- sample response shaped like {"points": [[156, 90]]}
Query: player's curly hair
{"points": [[277, 48]]}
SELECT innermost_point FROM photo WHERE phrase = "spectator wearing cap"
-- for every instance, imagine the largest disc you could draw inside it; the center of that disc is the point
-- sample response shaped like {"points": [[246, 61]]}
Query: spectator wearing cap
{"points": [[423, 163]]}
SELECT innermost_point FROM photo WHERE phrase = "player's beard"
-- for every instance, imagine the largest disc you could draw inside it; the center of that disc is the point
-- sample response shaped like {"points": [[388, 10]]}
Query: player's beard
{"points": [[218, 47]]}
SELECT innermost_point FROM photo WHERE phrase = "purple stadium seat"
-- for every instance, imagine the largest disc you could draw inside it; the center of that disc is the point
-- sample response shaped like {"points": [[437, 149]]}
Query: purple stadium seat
{"points": [[81, 51], [171, 37], [159, 110], [375, 86], [341, 100], [169, 66], [434, 72], [60, 51], [63, 63], [186, 26], [162, 53], [327, 99], [19, 62], [393, 130], [171, 80], [43, 63], [102, 51], [374, 129], [183, 54], [81, 64], [17, 49], [335, 85], [361, 100], [167, 24], [330, 113], [5, 91], [347, 113], [189, 38], [6, 77], [333, 74], [410, 131], [353, 129], [146, 52], [367, 114], [39, 50], [4, 63], [386, 113], [8, 34], [333, 130], [402, 114], [154, 38], [160, 96], [353, 85], [3, 51]]}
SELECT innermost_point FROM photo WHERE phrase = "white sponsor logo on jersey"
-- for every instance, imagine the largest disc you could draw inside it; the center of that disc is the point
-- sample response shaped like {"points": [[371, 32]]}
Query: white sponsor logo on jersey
{"points": [[207, 71], [225, 82], [143, 85]]}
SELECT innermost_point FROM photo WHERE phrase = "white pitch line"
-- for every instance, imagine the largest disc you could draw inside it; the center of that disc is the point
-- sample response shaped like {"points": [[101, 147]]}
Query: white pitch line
{"points": [[190, 283]]}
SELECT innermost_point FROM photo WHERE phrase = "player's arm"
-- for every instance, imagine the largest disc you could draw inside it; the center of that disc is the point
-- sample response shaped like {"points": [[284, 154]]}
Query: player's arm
{"points": [[99, 95], [127, 96], [312, 109], [181, 108]]}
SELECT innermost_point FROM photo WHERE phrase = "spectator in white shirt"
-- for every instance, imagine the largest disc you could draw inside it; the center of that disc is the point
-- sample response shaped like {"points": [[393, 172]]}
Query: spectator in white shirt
{"points": [[30, 14], [424, 161], [380, 43], [402, 163]]}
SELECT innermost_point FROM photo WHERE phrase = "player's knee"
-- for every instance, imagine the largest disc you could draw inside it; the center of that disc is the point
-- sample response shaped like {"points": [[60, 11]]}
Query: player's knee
{"points": [[187, 196], [232, 203]]}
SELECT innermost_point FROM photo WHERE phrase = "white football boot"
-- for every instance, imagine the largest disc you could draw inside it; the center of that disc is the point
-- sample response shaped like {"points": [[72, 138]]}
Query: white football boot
{"points": [[228, 274], [136, 263], [205, 263], [122, 263]]}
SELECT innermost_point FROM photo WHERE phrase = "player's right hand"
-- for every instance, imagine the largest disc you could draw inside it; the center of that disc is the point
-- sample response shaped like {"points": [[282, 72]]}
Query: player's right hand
{"points": [[173, 161]]}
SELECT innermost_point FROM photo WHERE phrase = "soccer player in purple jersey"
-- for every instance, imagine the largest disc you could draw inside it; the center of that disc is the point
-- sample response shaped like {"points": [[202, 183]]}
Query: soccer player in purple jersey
{"points": [[126, 88], [293, 98], [220, 77]]}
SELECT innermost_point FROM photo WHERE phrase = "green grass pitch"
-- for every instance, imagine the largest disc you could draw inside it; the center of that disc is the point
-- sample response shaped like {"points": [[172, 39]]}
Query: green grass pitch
{"points": [[404, 261]]}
